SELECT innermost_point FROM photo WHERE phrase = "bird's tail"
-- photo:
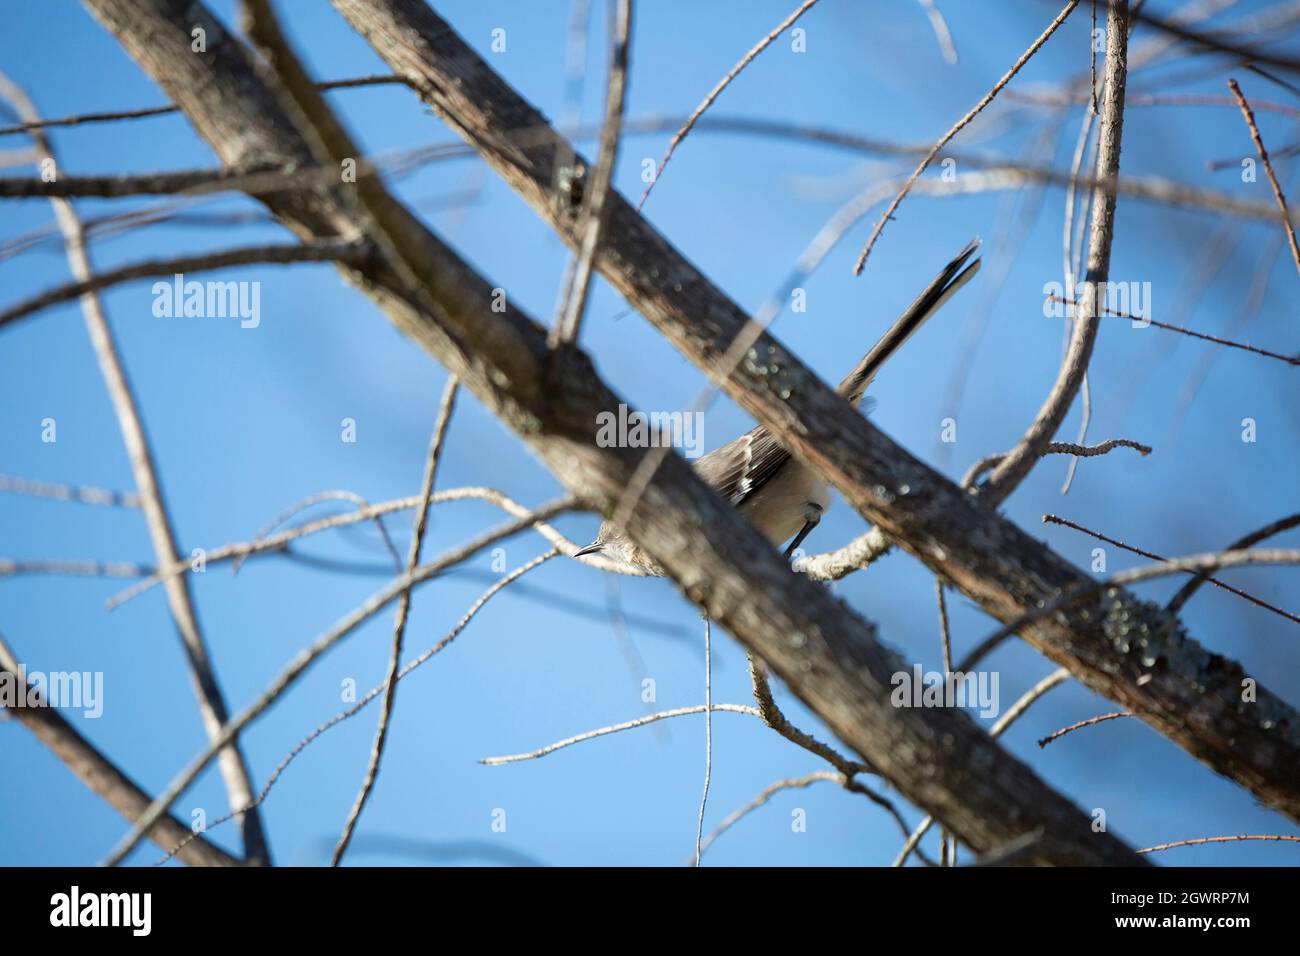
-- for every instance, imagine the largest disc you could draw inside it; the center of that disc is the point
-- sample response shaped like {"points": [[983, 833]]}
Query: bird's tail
{"points": [[955, 275]]}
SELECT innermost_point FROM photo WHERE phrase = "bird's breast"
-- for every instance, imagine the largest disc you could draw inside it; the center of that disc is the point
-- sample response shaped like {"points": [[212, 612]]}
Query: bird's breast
{"points": [[781, 507]]}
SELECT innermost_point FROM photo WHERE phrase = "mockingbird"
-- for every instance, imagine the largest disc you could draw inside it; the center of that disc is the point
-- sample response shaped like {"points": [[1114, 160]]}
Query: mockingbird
{"points": [[780, 495]]}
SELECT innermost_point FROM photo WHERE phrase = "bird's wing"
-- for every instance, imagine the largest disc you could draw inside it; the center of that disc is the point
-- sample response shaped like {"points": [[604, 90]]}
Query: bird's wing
{"points": [[740, 468]]}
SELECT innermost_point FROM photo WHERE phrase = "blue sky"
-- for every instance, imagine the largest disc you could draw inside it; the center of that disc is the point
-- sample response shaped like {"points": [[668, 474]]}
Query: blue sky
{"points": [[244, 422]]}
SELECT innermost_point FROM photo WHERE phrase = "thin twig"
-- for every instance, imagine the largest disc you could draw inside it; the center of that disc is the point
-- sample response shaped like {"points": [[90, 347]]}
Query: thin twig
{"points": [[1056, 448], [766, 794], [1244, 346], [1074, 244], [1150, 99], [204, 184], [957, 128], [708, 734], [618, 728], [714, 93], [1206, 561], [1100, 718], [941, 32], [1199, 841], [324, 250], [774, 718], [1268, 169], [947, 842], [1092, 60], [577, 284], [83, 494], [1265, 260], [299, 506], [113, 117], [277, 542], [443, 419], [1054, 519], [1274, 527], [1211, 42], [10, 567]]}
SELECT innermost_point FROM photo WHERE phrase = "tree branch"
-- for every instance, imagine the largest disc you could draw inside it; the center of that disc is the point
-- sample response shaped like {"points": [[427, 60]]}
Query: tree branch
{"points": [[102, 777]]}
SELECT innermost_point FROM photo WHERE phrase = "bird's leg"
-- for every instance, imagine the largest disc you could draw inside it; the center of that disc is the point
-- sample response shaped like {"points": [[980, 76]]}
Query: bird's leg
{"points": [[811, 520]]}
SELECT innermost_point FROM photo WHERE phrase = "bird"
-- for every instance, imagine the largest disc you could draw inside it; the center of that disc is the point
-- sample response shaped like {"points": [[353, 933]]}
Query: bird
{"points": [[780, 495]]}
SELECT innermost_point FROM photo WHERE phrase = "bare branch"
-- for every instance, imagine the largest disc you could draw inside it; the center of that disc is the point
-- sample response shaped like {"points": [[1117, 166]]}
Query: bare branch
{"points": [[714, 93], [1150, 99], [1268, 169], [1200, 841], [1273, 527], [1054, 519], [577, 280], [1101, 718], [275, 254], [403, 611], [278, 542], [83, 494], [774, 718], [708, 734], [854, 556], [150, 111], [300, 506], [1289, 359], [101, 776], [957, 128], [10, 567], [989, 462], [618, 728], [764, 795], [1017, 465], [941, 31], [1250, 54]]}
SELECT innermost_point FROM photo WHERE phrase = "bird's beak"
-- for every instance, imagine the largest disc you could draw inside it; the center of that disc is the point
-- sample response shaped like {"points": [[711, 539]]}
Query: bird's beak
{"points": [[593, 548]]}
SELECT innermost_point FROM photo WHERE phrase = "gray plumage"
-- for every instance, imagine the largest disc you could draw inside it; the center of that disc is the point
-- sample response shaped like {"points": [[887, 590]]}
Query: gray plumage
{"points": [[780, 495]]}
